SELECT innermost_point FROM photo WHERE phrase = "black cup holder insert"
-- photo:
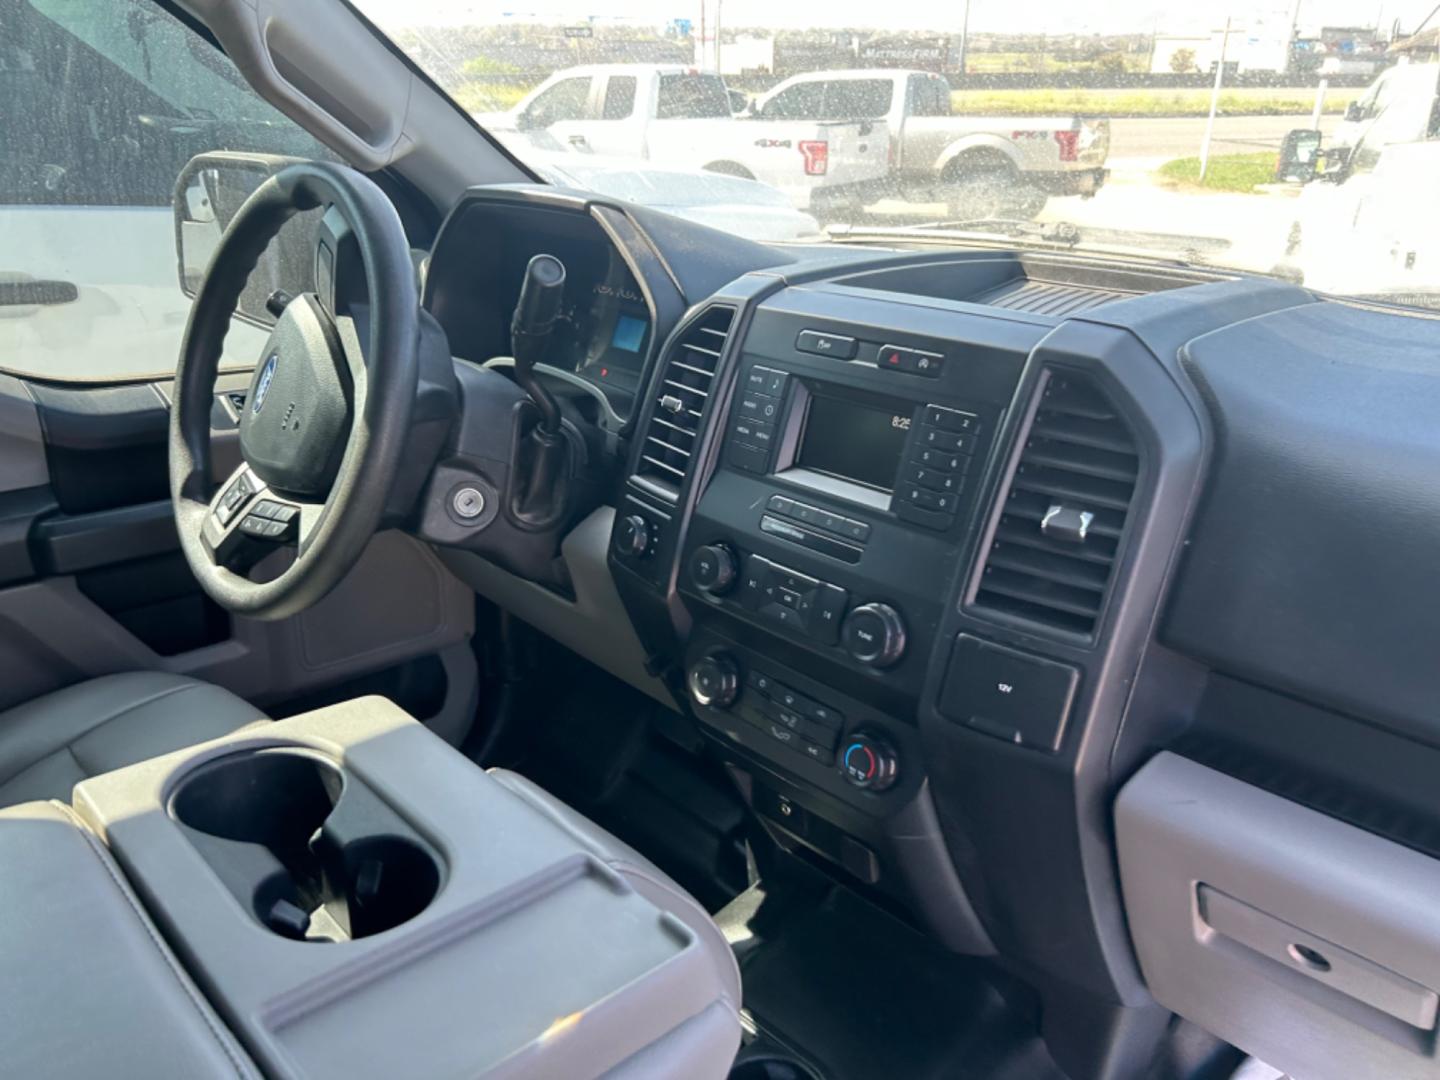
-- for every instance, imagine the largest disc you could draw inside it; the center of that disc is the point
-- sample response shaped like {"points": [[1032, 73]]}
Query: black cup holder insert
{"points": [[312, 852]]}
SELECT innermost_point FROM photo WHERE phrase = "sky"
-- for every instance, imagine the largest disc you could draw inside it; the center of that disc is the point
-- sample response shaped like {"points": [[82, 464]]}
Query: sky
{"points": [[1001, 16]]}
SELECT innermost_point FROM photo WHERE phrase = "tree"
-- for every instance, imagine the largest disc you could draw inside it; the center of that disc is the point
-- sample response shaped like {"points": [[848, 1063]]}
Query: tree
{"points": [[1182, 61]]}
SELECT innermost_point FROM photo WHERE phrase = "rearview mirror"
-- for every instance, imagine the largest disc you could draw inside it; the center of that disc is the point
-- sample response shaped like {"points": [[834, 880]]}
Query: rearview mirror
{"points": [[1299, 157], [208, 194], [1353, 112]]}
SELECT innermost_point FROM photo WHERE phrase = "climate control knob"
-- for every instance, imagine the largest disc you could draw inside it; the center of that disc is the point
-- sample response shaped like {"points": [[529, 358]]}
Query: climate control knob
{"points": [[868, 762], [713, 569], [714, 681], [632, 536], [874, 634]]}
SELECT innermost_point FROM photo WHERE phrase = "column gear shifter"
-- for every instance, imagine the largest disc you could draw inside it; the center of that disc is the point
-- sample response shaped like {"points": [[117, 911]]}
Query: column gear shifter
{"points": [[540, 481]]}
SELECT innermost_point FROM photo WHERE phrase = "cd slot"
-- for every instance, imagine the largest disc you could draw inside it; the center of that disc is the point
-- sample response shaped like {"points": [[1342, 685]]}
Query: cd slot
{"points": [[812, 541]]}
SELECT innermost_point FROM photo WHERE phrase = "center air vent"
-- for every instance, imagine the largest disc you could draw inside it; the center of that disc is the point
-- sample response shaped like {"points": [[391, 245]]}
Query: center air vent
{"points": [[687, 371], [1059, 533]]}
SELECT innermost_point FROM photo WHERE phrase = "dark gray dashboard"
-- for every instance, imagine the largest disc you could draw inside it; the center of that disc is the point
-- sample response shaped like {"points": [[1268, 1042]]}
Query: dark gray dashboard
{"points": [[1308, 566], [1237, 474]]}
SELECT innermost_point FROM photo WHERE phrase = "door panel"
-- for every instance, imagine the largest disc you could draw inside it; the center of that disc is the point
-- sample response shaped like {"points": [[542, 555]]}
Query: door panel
{"points": [[92, 580]]}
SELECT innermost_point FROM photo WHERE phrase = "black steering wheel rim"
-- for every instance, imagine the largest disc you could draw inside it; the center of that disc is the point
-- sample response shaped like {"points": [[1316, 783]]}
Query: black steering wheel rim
{"points": [[383, 392]]}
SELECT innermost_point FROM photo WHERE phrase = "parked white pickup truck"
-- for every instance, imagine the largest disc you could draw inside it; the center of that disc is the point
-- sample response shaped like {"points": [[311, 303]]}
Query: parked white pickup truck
{"points": [[682, 117], [980, 166], [1399, 106]]}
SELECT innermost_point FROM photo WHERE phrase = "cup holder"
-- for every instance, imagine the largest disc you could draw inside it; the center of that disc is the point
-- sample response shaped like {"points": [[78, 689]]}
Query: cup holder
{"points": [[312, 853]]}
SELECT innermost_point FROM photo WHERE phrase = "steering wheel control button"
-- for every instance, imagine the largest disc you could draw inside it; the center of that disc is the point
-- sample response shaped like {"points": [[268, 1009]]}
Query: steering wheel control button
{"points": [[468, 503], [874, 634], [819, 343], [712, 569], [714, 681], [254, 525], [234, 498], [868, 763], [275, 511], [1011, 695]]}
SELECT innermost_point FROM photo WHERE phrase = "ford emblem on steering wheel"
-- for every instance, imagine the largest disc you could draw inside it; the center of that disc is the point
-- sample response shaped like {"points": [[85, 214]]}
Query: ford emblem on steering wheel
{"points": [[267, 376]]}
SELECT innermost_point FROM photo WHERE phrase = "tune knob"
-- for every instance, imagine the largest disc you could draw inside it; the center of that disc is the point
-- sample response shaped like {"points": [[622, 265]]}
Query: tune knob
{"points": [[632, 536], [713, 569], [868, 762], [874, 634], [714, 681]]}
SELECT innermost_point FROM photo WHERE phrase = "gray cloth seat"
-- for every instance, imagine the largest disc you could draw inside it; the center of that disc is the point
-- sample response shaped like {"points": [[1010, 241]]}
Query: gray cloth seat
{"points": [[50, 744], [90, 987]]}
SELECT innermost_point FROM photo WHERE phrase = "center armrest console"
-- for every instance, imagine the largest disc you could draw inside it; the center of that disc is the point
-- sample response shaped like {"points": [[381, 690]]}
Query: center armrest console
{"points": [[357, 898]]}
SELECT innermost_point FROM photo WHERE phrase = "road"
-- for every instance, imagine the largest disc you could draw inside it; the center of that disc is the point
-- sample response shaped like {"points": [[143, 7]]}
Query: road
{"points": [[1155, 139]]}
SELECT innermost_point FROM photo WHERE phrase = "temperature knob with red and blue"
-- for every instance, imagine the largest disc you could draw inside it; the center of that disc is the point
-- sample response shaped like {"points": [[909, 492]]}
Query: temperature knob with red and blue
{"points": [[868, 762]]}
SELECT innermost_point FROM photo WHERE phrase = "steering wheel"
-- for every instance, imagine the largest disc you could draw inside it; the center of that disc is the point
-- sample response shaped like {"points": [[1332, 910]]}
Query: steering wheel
{"points": [[325, 421]]}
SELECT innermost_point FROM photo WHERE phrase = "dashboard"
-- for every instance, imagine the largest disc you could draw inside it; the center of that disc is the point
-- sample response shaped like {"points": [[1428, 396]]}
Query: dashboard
{"points": [[939, 550]]}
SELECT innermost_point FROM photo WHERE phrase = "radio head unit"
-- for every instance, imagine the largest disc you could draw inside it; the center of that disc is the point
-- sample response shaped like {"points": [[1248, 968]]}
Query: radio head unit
{"points": [[868, 448]]}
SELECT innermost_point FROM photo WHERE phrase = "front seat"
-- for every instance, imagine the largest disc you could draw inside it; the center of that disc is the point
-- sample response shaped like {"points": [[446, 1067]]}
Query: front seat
{"points": [[50, 744]]}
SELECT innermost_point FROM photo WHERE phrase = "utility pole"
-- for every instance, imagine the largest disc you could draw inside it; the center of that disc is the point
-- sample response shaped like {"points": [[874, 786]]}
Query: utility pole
{"points": [[1215, 100], [1294, 36], [964, 36]]}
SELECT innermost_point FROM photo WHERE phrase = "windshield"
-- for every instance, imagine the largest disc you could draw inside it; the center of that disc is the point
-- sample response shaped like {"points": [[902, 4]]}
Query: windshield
{"points": [[1294, 139]]}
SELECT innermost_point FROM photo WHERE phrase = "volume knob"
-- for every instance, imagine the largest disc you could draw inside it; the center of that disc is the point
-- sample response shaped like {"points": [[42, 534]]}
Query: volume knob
{"points": [[713, 569]]}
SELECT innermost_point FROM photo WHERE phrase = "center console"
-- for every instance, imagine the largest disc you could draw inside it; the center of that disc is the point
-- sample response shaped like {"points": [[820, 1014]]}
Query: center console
{"points": [[355, 897], [852, 461]]}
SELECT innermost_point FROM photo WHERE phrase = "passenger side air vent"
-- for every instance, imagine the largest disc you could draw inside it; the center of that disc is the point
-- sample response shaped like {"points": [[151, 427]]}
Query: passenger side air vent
{"points": [[1059, 533], [686, 372]]}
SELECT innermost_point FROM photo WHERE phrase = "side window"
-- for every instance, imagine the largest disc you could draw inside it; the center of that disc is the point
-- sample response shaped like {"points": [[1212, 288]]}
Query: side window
{"points": [[1368, 105], [619, 98], [105, 104], [803, 101], [857, 99], [692, 97], [1402, 115], [929, 96], [567, 99]]}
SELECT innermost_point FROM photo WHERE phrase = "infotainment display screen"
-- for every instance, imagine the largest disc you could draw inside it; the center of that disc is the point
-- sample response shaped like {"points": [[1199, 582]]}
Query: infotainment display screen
{"points": [[857, 441]]}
